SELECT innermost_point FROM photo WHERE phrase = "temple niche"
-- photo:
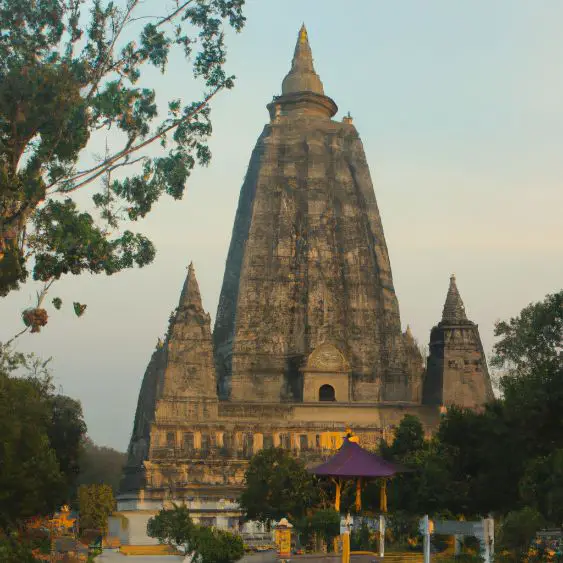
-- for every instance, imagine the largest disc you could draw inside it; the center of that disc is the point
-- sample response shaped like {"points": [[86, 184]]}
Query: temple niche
{"points": [[326, 376], [308, 336]]}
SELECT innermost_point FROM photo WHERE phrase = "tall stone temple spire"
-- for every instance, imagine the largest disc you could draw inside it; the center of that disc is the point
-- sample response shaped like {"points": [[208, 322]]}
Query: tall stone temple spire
{"points": [[302, 76], [454, 310], [456, 372], [308, 265]]}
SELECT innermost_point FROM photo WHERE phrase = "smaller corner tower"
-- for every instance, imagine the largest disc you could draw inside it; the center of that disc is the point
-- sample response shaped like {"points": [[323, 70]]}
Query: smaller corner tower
{"points": [[190, 367], [457, 371]]}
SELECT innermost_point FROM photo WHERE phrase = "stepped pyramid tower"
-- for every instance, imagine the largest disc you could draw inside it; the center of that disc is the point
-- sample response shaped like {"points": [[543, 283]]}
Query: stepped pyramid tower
{"points": [[308, 264], [307, 338], [457, 371]]}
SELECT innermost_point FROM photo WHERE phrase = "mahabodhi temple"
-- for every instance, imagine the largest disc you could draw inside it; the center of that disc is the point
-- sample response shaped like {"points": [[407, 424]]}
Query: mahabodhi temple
{"points": [[307, 338]]}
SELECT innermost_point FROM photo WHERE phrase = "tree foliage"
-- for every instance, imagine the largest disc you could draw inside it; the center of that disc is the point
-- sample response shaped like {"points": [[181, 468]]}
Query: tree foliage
{"points": [[70, 69], [100, 465], [277, 485], [40, 434], [172, 526], [531, 343], [96, 503], [326, 524], [217, 546], [518, 530], [175, 527], [541, 486]]}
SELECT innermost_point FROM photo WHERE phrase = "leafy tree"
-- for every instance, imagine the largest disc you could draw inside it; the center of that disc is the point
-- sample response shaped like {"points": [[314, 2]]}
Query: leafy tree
{"points": [[531, 352], [217, 546], [96, 503], [66, 432], [100, 464], [409, 437], [37, 448], [14, 549], [532, 342], [276, 486], [175, 527], [461, 470], [518, 530], [320, 524], [325, 523], [31, 482], [172, 526], [541, 486], [70, 69]]}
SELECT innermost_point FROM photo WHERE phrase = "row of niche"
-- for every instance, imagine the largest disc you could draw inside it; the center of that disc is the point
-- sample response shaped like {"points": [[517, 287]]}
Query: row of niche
{"points": [[249, 443]]}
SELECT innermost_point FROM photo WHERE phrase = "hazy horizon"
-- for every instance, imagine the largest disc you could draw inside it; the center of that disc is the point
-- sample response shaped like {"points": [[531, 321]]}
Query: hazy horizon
{"points": [[459, 109]]}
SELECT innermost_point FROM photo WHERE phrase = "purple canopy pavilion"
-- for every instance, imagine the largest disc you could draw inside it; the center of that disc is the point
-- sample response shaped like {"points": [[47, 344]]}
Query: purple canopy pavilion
{"points": [[352, 462]]}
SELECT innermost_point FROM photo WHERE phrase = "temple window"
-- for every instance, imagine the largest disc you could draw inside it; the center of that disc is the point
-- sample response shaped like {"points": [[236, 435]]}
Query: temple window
{"points": [[268, 441], [303, 442], [170, 439], [318, 440], [326, 393], [188, 441]]}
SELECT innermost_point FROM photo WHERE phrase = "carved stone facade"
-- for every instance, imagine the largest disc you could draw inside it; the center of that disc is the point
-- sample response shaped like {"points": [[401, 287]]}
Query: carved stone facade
{"points": [[307, 339]]}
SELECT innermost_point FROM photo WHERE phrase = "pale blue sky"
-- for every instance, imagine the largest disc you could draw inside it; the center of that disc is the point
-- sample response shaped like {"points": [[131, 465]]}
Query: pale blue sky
{"points": [[460, 108]]}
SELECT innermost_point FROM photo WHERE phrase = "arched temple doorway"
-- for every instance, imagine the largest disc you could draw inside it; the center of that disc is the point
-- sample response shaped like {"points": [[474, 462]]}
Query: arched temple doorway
{"points": [[326, 393]]}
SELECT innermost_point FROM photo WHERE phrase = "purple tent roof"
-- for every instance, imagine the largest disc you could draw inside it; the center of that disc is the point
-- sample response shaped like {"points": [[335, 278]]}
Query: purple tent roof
{"points": [[353, 461]]}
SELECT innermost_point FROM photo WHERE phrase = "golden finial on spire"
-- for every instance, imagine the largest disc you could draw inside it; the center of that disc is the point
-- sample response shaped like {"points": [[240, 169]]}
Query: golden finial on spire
{"points": [[303, 34]]}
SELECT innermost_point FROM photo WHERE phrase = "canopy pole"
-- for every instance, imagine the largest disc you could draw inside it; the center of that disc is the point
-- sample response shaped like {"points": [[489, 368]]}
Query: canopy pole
{"points": [[338, 484], [383, 496], [359, 494]]}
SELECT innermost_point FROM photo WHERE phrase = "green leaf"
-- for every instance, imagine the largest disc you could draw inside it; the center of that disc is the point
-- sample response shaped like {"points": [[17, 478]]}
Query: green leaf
{"points": [[79, 309]]}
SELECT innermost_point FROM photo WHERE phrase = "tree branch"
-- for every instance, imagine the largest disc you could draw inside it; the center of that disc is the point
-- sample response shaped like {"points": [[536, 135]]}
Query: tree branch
{"points": [[117, 64], [102, 71], [96, 171]]}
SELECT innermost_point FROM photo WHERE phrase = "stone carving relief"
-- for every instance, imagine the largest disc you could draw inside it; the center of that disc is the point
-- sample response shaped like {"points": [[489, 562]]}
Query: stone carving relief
{"points": [[327, 357]]}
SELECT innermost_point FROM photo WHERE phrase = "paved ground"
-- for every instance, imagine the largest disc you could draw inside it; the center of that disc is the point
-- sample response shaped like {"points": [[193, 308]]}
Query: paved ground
{"points": [[111, 557]]}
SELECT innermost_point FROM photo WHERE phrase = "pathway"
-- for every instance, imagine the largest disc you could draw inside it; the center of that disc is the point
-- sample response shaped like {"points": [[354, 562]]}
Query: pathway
{"points": [[112, 557]]}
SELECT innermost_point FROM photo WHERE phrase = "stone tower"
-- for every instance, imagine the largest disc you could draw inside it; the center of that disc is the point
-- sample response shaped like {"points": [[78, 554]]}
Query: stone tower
{"points": [[179, 386], [308, 265], [457, 371]]}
